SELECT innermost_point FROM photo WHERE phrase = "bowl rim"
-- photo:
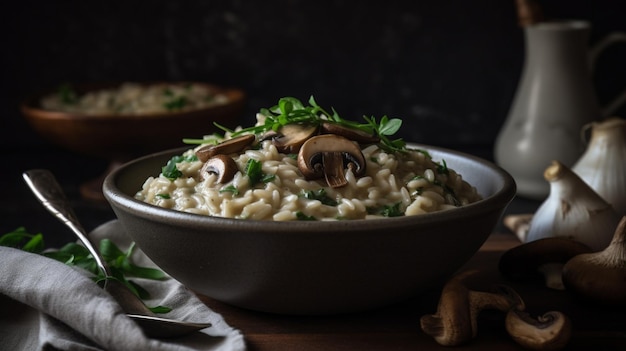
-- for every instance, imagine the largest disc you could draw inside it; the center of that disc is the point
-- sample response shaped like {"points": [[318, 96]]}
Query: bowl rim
{"points": [[496, 202], [31, 106]]}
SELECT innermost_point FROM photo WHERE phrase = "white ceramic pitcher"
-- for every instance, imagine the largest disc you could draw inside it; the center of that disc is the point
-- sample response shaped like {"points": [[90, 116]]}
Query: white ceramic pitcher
{"points": [[555, 98]]}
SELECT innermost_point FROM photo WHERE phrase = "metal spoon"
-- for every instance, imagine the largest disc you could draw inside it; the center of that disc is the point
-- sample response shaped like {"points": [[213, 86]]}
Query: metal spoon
{"points": [[46, 188]]}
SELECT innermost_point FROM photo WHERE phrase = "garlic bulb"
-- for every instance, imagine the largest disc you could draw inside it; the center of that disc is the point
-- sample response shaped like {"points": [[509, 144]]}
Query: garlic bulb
{"points": [[573, 210], [603, 164]]}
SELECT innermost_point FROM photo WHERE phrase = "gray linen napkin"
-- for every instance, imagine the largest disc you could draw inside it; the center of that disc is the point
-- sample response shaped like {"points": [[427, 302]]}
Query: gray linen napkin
{"points": [[47, 305]]}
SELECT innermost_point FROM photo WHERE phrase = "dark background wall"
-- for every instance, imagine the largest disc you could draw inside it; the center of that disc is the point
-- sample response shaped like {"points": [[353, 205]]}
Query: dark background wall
{"points": [[449, 68]]}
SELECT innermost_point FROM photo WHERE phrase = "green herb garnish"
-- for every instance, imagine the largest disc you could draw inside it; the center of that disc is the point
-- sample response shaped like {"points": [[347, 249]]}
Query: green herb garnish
{"points": [[170, 171], [230, 189], [163, 196], [74, 254], [321, 196], [302, 217], [392, 211], [290, 110], [442, 168], [254, 171]]}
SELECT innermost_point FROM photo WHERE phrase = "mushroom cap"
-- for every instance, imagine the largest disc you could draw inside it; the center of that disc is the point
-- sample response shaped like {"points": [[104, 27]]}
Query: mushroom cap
{"points": [[311, 155], [523, 261], [229, 146], [290, 137], [550, 331], [349, 133], [221, 165]]}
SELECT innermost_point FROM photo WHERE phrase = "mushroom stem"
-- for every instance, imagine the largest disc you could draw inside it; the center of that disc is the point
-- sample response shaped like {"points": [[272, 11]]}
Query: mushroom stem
{"points": [[455, 321], [550, 331]]}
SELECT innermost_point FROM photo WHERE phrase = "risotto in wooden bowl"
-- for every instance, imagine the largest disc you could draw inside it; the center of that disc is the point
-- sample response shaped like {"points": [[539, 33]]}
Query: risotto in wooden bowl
{"points": [[315, 218], [122, 121]]}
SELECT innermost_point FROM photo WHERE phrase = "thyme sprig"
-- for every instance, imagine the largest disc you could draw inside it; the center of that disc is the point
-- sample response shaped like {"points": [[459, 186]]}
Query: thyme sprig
{"points": [[290, 110]]}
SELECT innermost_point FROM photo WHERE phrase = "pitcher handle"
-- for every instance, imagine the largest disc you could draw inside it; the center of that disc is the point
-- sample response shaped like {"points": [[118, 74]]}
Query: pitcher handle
{"points": [[594, 52]]}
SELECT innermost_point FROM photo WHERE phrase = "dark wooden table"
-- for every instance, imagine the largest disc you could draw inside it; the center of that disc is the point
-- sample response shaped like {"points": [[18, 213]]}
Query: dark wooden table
{"points": [[392, 328], [397, 327]]}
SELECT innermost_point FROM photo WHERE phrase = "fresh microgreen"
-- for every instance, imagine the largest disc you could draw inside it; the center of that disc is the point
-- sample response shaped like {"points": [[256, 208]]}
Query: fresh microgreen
{"points": [[163, 196], [21, 239], [303, 217], [120, 262], [213, 139], [290, 110], [320, 195], [170, 171], [392, 211], [254, 171], [442, 168], [230, 189]]}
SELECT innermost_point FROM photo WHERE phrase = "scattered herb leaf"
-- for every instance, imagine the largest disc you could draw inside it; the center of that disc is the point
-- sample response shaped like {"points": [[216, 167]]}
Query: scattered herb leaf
{"points": [[302, 217], [320, 195], [73, 254], [230, 189], [392, 211]]}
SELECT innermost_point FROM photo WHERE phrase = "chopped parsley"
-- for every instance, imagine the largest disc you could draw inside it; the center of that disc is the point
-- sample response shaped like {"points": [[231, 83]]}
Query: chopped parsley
{"points": [[302, 217], [170, 171], [392, 211], [254, 171], [230, 189], [319, 195]]}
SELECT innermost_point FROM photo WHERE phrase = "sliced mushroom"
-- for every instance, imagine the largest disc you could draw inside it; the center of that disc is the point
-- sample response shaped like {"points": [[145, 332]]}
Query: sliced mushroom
{"points": [[350, 133], [543, 257], [328, 156], [290, 137], [226, 147], [221, 165], [550, 331], [456, 320]]}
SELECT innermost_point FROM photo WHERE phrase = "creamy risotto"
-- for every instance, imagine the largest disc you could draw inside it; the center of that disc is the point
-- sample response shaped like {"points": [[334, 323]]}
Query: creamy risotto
{"points": [[266, 181], [134, 99]]}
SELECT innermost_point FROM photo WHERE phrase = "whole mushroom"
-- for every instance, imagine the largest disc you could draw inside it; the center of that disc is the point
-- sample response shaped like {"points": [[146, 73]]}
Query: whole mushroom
{"points": [[455, 321], [327, 156]]}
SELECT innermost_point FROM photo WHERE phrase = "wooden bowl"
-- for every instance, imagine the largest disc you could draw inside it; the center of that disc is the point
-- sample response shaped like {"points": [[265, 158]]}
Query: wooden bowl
{"points": [[122, 137]]}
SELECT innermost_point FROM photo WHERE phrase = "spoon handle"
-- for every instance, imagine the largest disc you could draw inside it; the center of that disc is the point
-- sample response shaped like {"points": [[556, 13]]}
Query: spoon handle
{"points": [[48, 191]]}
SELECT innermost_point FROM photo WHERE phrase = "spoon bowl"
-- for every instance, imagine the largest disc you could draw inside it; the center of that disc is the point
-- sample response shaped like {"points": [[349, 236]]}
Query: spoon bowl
{"points": [[48, 191]]}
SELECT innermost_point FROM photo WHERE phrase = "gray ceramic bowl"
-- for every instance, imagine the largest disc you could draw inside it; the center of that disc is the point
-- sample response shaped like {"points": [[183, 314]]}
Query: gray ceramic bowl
{"points": [[311, 268]]}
